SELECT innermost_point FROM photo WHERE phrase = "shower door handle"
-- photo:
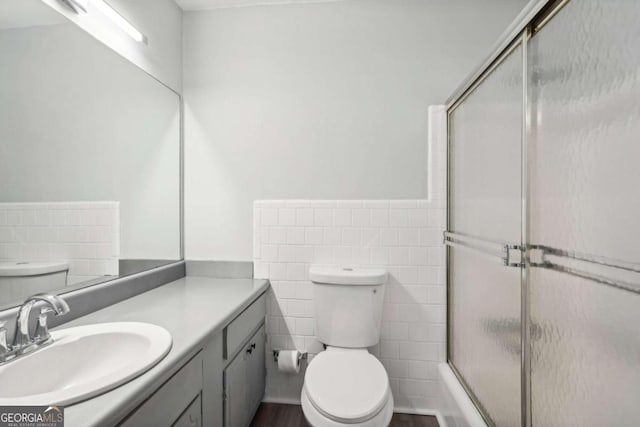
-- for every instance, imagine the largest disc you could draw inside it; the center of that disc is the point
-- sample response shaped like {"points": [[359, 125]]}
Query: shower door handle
{"points": [[510, 254], [606, 271]]}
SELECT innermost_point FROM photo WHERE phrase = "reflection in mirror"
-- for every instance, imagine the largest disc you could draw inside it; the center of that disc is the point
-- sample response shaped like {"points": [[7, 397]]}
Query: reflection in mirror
{"points": [[89, 159]]}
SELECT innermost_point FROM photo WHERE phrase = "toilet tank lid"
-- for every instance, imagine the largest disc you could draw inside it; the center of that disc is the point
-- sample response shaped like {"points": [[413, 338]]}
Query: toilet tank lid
{"points": [[348, 276], [20, 269]]}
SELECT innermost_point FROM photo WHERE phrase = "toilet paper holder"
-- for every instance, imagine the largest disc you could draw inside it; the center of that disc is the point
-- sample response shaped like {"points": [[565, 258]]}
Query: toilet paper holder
{"points": [[276, 353]]}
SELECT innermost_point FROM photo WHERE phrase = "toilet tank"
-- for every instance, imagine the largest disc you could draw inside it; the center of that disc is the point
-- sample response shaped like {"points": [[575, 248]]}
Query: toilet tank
{"points": [[348, 305], [19, 280]]}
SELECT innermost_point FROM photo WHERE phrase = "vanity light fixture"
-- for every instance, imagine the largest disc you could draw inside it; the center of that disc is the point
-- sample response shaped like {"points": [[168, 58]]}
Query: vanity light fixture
{"points": [[77, 6], [107, 10]]}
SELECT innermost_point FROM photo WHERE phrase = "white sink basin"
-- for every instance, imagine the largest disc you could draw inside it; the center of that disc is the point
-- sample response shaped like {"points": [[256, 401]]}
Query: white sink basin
{"points": [[83, 362]]}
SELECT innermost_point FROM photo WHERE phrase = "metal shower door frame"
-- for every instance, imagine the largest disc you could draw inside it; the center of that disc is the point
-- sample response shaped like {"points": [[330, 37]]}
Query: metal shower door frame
{"points": [[534, 15], [501, 251]]}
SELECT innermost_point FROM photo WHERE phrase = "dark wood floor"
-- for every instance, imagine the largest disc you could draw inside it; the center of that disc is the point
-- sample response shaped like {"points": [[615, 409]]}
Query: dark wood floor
{"points": [[277, 415]]}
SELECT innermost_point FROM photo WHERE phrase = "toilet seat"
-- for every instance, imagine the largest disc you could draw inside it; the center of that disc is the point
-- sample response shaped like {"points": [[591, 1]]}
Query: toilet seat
{"points": [[347, 386]]}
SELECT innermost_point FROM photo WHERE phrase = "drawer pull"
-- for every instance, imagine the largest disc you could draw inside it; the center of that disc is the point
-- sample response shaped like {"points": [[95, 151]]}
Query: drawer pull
{"points": [[251, 348]]}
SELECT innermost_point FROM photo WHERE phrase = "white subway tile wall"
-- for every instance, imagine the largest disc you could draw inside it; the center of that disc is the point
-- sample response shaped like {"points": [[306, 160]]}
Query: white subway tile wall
{"points": [[84, 234], [403, 236]]}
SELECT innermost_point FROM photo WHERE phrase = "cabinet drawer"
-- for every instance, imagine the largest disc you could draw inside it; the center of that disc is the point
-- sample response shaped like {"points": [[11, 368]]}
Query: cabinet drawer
{"points": [[192, 417], [171, 399], [240, 328]]}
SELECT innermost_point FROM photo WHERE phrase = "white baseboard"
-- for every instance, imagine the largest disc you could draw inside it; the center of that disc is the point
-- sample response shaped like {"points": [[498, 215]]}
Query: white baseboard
{"points": [[441, 421], [283, 400], [415, 411]]}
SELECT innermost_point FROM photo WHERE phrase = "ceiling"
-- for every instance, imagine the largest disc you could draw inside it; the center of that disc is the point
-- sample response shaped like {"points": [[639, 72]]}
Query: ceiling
{"points": [[216, 4], [27, 13]]}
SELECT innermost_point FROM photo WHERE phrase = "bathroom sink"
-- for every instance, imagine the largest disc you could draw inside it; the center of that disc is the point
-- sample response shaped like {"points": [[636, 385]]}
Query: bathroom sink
{"points": [[82, 363]]}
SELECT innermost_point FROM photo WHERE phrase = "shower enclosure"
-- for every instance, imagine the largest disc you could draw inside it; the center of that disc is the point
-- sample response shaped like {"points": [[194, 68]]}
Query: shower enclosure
{"points": [[543, 269]]}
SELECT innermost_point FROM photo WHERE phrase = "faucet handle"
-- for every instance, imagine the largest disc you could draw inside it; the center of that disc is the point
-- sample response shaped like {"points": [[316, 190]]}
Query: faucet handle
{"points": [[42, 329], [4, 347]]}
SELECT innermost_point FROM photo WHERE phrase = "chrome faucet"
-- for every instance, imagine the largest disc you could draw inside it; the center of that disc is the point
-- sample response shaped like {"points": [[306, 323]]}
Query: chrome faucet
{"points": [[23, 341], [5, 348]]}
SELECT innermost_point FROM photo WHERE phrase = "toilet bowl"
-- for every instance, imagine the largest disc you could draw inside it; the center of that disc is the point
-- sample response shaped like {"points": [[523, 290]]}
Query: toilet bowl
{"points": [[346, 387]]}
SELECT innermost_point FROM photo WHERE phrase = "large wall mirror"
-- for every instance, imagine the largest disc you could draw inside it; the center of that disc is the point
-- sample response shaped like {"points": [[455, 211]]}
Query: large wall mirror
{"points": [[89, 159]]}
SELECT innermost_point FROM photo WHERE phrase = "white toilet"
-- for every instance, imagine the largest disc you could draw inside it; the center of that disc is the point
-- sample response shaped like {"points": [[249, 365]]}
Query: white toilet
{"points": [[345, 385]]}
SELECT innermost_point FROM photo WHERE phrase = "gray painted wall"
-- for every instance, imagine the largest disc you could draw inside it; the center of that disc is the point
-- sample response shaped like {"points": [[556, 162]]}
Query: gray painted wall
{"points": [[317, 100]]}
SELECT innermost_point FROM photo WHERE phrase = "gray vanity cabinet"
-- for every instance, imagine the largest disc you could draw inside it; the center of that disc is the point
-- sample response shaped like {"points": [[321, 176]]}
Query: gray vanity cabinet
{"points": [[222, 385], [244, 381], [174, 398], [192, 417], [234, 369]]}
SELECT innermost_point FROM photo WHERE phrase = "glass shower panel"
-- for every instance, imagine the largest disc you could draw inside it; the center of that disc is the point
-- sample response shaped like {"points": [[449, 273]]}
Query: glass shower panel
{"points": [[585, 198], [585, 94], [485, 156], [484, 304], [485, 202], [585, 353]]}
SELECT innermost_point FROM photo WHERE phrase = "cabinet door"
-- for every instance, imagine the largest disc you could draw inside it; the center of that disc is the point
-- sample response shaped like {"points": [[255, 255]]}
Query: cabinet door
{"points": [[170, 401], [192, 417], [244, 381], [235, 385], [256, 371]]}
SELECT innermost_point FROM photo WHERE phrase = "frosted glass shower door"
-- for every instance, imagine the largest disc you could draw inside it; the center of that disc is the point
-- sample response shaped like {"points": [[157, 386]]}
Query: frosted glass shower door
{"points": [[584, 162], [485, 208]]}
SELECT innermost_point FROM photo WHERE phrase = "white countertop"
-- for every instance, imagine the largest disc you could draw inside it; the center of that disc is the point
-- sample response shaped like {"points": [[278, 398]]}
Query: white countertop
{"points": [[192, 309]]}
